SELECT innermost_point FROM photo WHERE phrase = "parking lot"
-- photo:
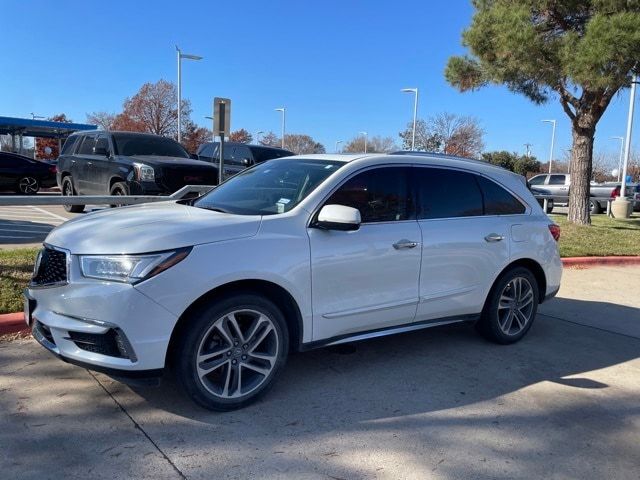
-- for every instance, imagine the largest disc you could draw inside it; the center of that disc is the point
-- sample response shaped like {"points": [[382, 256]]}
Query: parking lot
{"points": [[440, 403]]}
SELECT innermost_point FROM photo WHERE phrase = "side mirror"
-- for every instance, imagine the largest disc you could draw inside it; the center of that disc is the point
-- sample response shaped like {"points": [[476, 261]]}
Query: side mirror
{"points": [[338, 217], [101, 151]]}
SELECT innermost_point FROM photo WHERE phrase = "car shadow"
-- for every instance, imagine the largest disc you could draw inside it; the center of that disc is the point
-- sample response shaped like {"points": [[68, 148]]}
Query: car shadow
{"points": [[425, 371], [19, 232]]}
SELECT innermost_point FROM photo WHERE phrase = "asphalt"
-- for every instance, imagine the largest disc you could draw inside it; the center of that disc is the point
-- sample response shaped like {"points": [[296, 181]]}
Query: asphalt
{"points": [[439, 403]]}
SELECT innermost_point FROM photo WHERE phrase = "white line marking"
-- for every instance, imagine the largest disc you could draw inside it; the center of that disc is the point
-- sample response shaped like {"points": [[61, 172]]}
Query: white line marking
{"points": [[10, 236], [54, 215], [35, 232]]}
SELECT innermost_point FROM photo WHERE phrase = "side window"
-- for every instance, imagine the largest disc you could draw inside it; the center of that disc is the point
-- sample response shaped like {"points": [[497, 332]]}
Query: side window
{"points": [[86, 147], [444, 193], [68, 145], [381, 195], [102, 142], [241, 152], [497, 201], [556, 180], [206, 150], [537, 180]]}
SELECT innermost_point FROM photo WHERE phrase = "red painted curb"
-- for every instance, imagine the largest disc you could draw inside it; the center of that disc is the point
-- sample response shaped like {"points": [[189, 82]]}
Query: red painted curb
{"points": [[596, 261], [12, 323]]}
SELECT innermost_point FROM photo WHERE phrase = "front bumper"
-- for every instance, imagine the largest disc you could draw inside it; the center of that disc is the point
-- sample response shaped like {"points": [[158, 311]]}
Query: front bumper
{"points": [[105, 326]]}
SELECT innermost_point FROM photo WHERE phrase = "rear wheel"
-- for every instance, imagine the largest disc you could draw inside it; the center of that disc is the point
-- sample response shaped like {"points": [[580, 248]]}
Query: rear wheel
{"points": [[28, 185], [549, 206], [69, 191], [594, 207], [511, 307], [232, 351], [119, 189]]}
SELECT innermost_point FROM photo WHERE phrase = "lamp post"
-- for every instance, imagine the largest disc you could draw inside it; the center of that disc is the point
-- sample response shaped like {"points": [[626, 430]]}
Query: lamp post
{"points": [[36, 117], [180, 56], [338, 142], [213, 126], [364, 134], [553, 138], [258, 133], [627, 146], [620, 156], [284, 114], [415, 114]]}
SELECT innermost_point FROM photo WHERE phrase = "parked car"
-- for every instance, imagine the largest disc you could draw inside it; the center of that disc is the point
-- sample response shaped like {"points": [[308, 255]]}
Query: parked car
{"points": [[238, 156], [558, 185], [127, 163], [25, 175], [293, 254]]}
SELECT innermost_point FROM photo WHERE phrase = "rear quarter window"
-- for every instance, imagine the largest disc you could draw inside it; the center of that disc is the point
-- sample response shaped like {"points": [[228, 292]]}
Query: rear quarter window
{"points": [[67, 149], [497, 200]]}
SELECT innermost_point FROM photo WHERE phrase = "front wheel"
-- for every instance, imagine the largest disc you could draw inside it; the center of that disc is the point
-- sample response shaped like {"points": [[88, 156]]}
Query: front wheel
{"points": [[511, 307], [232, 351], [119, 189]]}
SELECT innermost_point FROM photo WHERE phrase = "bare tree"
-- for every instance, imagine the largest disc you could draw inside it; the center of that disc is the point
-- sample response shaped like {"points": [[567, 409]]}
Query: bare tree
{"points": [[301, 144], [194, 136], [270, 140], [461, 136], [426, 138], [376, 144], [104, 120], [240, 136]]}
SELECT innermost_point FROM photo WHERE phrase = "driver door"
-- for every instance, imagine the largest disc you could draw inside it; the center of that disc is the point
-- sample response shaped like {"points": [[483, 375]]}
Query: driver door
{"points": [[369, 278]]}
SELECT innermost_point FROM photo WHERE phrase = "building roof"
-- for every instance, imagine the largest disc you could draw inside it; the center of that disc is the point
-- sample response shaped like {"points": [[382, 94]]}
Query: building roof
{"points": [[40, 128]]}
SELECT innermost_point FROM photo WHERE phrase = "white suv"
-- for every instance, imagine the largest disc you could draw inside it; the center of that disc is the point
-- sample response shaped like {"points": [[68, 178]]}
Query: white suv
{"points": [[292, 254]]}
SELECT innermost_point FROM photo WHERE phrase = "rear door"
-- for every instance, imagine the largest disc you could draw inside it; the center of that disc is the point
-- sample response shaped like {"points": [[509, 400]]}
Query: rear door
{"points": [[9, 170], [463, 248], [101, 165], [82, 166]]}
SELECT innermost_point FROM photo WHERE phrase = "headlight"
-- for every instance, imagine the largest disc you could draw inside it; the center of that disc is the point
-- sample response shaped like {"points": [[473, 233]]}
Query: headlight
{"points": [[144, 173], [130, 268]]}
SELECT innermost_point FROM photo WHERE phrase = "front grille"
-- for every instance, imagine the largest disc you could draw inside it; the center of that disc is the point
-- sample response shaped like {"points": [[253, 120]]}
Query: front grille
{"points": [[109, 343], [51, 268]]}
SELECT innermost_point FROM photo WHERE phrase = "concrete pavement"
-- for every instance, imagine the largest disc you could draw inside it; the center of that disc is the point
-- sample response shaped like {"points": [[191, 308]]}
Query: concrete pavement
{"points": [[439, 403]]}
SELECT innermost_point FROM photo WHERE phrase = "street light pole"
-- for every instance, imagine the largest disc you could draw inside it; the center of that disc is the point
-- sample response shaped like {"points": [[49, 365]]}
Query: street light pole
{"points": [[620, 156], [213, 126], [365, 140], [627, 146], [338, 142], [415, 114], [258, 136], [180, 56], [284, 113], [553, 138]]}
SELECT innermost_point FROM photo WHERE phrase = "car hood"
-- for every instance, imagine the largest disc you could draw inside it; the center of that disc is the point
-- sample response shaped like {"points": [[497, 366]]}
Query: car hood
{"points": [[149, 228], [155, 160]]}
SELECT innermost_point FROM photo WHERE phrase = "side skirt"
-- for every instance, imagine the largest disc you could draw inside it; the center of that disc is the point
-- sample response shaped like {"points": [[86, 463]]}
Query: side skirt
{"points": [[381, 332]]}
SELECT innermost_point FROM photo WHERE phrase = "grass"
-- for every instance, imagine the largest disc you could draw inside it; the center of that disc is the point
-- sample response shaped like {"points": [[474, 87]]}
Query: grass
{"points": [[16, 267], [605, 236]]}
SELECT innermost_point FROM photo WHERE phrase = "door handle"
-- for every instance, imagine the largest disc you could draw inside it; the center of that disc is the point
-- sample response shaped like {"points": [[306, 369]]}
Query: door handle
{"points": [[402, 244], [493, 237]]}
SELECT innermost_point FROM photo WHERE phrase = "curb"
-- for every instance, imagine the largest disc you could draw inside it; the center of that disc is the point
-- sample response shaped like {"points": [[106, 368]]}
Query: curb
{"points": [[587, 262], [12, 323]]}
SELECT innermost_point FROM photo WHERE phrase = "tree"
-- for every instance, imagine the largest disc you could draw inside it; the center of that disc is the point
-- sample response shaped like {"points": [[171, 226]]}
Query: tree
{"points": [[375, 144], [582, 51], [240, 136], [194, 136], [460, 136], [302, 144], [270, 140], [103, 120], [426, 139], [154, 109], [52, 143], [520, 164]]}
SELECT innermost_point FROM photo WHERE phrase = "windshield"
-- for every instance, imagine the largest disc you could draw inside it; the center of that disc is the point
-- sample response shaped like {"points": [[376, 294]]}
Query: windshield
{"points": [[269, 188], [132, 145]]}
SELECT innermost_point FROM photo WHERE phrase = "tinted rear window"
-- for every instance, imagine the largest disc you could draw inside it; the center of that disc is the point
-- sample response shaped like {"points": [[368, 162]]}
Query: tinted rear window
{"points": [[447, 194], [68, 145], [263, 154], [86, 147], [497, 201], [131, 145], [556, 180]]}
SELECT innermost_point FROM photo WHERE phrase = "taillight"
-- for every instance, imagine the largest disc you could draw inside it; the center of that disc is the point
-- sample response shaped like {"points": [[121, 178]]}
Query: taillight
{"points": [[555, 231], [53, 168]]}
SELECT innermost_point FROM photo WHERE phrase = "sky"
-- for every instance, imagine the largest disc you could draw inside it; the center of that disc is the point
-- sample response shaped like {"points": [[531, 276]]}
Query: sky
{"points": [[337, 66]]}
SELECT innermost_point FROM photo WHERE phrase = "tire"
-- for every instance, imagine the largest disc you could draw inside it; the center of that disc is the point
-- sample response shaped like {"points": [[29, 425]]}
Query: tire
{"points": [[502, 321], [118, 188], [28, 185], [549, 206], [594, 207], [221, 388], [68, 190]]}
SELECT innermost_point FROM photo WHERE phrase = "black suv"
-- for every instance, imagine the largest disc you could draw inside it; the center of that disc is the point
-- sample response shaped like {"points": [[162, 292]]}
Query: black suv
{"points": [[127, 163], [238, 156]]}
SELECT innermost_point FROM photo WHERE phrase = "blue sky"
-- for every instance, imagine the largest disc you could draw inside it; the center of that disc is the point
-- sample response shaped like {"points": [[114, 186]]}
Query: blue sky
{"points": [[338, 66]]}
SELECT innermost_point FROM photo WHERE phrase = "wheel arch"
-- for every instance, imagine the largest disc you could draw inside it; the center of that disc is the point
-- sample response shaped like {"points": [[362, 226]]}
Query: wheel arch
{"points": [[115, 179], [274, 292], [535, 268]]}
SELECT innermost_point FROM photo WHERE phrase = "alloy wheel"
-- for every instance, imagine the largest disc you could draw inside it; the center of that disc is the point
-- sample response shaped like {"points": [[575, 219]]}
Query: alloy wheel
{"points": [[28, 185], [516, 306], [237, 353]]}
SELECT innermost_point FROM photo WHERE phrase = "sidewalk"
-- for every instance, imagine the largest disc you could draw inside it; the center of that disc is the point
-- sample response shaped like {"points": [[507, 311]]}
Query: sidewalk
{"points": [[438, 403]]}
